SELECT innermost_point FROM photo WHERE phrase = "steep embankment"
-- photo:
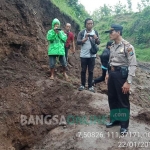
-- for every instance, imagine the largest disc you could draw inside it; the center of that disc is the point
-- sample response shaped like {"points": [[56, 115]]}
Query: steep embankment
{"points": [[23, 51], [23, 26], [25, 88]]}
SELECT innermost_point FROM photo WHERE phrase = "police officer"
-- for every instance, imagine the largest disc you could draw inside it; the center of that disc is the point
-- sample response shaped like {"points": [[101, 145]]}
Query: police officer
{"points": [[122, 66]]}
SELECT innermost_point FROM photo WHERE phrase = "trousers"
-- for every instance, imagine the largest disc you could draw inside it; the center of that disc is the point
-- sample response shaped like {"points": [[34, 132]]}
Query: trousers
{"points": [[87, 63], [118, 101], [102, 78]]}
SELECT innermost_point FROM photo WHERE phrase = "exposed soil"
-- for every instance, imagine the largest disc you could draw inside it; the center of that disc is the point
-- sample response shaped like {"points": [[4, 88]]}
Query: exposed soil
{"points": [[25, 89], [23, 27]]}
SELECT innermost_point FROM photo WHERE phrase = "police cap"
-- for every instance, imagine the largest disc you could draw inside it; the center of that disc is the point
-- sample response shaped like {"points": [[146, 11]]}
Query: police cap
{"points": [[115, 27]]}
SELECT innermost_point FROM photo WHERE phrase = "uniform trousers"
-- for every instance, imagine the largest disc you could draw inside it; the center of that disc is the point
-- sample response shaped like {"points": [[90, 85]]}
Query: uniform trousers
{"points": [[117, 100]]}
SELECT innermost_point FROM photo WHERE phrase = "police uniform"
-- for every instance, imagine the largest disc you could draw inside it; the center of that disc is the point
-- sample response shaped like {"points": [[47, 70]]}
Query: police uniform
{"points": [[122, 56]]}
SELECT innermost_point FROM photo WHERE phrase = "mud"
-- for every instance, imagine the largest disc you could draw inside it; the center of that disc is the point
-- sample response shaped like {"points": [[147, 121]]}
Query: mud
{"points": [[25, 89]]}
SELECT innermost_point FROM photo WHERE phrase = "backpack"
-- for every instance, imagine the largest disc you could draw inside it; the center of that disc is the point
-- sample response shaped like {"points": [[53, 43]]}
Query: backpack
{"points": [[94, 48]]}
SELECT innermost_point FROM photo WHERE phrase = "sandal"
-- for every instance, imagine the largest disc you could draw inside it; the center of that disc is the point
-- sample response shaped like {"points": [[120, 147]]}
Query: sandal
{"points": [[66, 77], [51, 78]]}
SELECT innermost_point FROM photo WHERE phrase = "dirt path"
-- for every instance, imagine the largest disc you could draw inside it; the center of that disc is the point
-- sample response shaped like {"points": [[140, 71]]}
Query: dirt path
{"points": [[97, 136], [25, 89], [79, 137], [144, 66]]}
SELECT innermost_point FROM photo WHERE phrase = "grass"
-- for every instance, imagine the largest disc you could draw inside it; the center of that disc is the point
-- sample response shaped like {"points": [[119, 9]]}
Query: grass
{"points": [[143, 54], [66, 10]]}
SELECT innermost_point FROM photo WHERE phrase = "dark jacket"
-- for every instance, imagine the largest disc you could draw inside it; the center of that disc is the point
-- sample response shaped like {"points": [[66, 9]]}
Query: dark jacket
{"points": [[105, 57]]}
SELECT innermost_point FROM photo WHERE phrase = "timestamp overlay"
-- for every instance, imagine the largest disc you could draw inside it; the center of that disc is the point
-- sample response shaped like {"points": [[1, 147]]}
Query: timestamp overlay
{"points": [[130, 140]]}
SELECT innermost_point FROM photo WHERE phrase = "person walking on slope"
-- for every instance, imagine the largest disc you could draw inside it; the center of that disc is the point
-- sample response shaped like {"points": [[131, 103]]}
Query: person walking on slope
{"points": [[104, 61], [87, 59], [56, 38]]}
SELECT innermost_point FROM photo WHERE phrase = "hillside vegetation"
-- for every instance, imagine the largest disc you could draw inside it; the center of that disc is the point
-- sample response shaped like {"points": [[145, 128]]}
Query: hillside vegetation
{"points": [[136, 27], [136, 24], [73, 9], [136, 30]]}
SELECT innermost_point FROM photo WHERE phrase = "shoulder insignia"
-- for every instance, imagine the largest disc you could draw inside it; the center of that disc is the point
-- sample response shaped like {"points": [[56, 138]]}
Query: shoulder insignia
{"points": [[130, 51]]}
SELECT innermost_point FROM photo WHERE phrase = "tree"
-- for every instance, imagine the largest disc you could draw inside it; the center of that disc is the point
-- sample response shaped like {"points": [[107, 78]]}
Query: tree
{"points": [[139, 7], [101, 12], [143, 5], [72, 3], [129, 5], [96, 15], [105, 10], [119, 8], [78, 9]]}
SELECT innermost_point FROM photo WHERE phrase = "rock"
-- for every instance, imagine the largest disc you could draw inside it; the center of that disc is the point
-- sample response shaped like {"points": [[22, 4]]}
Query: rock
{"points": [[139, 87], [148, 76], [5, 60], [144, 115], [45, 67]]}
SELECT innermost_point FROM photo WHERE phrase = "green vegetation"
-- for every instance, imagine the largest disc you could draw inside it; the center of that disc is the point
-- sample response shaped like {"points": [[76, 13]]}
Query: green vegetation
{"points": [[143, 54], [136, 25], [73, 9]]}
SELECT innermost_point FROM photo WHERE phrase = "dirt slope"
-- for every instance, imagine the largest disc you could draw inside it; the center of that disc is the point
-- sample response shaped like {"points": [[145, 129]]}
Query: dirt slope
{"points": [[23, 27], [25, 88]]}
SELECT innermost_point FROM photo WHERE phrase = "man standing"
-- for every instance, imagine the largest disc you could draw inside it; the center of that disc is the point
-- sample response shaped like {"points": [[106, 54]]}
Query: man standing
{"points": [[56, 38], [70, 40], [104, 61], [121, 70], [87, 59]]}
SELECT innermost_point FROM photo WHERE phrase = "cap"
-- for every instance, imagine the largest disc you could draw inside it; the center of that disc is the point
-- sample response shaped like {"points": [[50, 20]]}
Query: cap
{"points": [[115, 27]]}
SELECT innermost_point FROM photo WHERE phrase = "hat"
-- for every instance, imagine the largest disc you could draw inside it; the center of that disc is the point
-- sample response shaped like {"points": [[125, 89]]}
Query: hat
{"points": [[116, 27]]}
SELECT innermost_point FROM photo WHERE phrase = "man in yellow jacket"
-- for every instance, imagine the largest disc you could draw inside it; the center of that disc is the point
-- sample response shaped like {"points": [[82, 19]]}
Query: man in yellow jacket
{"points": [[57, 39]]}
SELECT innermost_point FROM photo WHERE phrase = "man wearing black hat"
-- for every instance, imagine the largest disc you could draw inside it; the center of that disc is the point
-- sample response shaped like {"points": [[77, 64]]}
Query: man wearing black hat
{"points": [[122, 66]]}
